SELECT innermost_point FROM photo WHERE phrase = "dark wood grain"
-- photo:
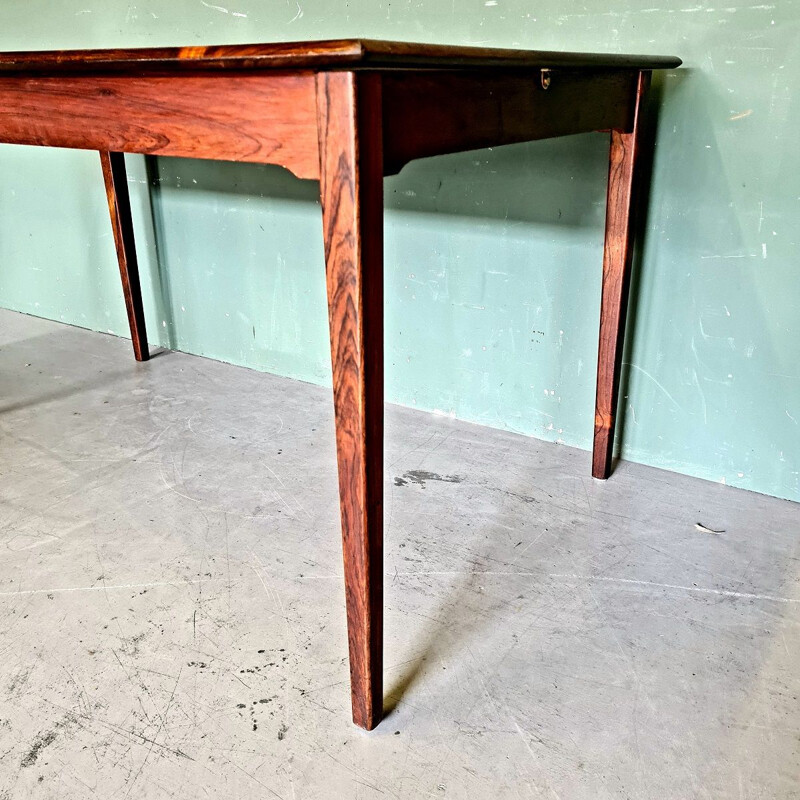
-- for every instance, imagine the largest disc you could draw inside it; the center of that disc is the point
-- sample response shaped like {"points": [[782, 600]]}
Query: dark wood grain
{"points": [[351, 191], [119, 206], [317, 55], [617, 255], [269, 119], [345, 112], [436, 112]]}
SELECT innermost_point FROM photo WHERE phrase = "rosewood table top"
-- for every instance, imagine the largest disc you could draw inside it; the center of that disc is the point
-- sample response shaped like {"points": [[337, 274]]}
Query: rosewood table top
{"points": [[317, 55]]}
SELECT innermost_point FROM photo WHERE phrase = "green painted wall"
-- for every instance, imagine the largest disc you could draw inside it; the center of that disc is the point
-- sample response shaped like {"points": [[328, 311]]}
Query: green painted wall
{"points": [[492, 258]]}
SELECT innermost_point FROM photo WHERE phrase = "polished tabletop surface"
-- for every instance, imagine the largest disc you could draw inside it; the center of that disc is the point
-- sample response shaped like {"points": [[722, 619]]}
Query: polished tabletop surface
{"points": [[317, 55]]}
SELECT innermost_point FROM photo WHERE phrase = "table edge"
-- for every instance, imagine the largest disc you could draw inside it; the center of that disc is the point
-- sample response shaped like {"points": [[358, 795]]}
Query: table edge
{"points": [[323, 55]]}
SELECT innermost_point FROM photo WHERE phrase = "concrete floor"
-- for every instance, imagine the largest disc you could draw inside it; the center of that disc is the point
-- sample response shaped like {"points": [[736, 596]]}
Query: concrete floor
{"points": [[172, 610]]}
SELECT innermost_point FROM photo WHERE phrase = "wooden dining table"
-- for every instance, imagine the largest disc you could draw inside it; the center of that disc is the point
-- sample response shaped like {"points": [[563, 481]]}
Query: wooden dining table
{"points": [[345, 113]]}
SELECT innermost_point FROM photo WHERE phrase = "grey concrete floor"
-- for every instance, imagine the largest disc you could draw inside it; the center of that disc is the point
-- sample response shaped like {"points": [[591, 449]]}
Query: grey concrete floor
{"points": [[172, 611]]}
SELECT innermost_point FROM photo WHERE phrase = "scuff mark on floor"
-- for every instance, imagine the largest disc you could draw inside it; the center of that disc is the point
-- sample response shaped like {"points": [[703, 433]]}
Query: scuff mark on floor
{"points": [[421, 476], [39, 743]]}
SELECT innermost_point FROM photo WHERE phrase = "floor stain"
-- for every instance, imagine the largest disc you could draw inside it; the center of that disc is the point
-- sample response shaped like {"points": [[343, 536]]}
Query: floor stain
{"points": [[421, 476], [130, 645], [18, 682], [526, 498], [39, 743]]}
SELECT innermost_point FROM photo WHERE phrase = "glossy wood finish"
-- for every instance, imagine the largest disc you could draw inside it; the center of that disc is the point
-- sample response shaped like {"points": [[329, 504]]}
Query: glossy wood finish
{"points": [[322, 55], [346, 112], [617, 255], [119, 206], [351, 191], [421, 119], [268, 119]]}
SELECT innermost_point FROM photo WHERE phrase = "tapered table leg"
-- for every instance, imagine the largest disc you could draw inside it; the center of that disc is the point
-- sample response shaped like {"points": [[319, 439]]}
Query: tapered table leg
{"points": [[617, 254], [351, 190], [119, 205]]}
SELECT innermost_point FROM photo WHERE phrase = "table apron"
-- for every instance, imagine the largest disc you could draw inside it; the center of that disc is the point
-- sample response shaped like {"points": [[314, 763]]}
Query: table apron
{"points": [[271, 117], [433, 113], [268, 119]]}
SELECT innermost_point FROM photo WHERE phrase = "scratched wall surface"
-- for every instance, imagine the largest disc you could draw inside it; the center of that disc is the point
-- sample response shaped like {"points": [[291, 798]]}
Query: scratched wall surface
{"points": [[492, 258]]}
